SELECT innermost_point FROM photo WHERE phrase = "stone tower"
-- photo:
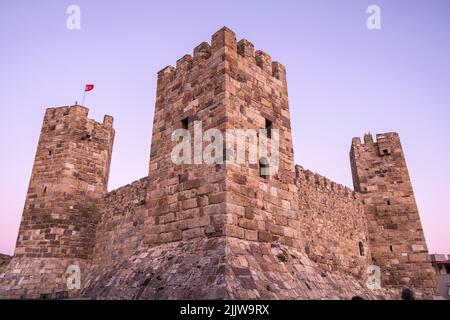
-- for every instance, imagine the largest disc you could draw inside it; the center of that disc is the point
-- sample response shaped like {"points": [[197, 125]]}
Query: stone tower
{"points": [[225, 85], [70, 172], [397, 240]]}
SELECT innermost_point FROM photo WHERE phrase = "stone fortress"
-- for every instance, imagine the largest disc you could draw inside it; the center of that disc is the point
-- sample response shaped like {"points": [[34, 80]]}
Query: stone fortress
{"points": [[219, 231]]}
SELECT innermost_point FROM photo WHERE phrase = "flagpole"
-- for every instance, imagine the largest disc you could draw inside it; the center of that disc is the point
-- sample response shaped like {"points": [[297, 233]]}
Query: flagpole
{"points": [[84, 95]]}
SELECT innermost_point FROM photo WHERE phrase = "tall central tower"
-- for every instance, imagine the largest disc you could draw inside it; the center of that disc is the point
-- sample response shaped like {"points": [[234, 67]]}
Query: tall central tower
{"points": [[224, 86]]}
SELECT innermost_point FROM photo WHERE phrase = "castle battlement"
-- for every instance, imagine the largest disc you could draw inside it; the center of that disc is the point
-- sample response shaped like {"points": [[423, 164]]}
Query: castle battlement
{"points": [[206, 54], [73, 116], [323, 183]]}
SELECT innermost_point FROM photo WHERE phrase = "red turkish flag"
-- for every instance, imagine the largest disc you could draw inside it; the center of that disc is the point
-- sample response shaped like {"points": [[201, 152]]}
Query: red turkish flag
{"points": [[89, 87]]}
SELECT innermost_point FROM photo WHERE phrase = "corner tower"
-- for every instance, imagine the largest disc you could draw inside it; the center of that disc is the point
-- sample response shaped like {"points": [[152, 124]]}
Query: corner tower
{"points": [[70, 172], [397, 240]]}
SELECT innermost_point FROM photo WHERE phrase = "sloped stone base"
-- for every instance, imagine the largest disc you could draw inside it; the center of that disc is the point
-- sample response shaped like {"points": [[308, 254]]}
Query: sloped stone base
{"points": [[222, 268], [193, 269]]}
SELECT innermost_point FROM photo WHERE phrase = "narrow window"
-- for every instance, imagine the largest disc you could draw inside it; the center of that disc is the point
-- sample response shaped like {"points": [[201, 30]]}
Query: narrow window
{"points": [[263, 165], [388, 202], [45, 189], [361, 249], [49, 152], [269, 128], [386, 152], [391, 248], [185, 123], [86, 137]]}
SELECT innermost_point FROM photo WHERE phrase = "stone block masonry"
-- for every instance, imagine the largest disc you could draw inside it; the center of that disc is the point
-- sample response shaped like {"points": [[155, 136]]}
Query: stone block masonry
{"points": [[70, 174], [214, 231], [397, 241]]}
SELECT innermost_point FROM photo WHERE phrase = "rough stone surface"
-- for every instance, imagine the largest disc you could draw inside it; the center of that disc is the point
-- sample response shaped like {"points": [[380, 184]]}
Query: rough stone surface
{"points": [[221, 230], [222, 268], [397, 241], [4, 261]]}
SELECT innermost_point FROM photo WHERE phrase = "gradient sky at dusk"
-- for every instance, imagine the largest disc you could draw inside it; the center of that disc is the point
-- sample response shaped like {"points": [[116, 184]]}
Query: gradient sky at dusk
{"points": [[343, 80]]}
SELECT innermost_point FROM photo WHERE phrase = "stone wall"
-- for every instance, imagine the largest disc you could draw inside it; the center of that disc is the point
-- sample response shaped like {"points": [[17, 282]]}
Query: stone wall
{"points": [[120, 227], [4, 260], [27, 277], [332, 224]]}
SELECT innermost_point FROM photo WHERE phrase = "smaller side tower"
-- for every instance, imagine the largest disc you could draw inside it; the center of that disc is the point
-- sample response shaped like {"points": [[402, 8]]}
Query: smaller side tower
{"points": [[70, 172], [397, 241]]}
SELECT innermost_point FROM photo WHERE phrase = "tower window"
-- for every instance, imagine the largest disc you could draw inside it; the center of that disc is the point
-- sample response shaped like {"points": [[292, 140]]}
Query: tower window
{"points": [[391, 248], [49, 152], [388, 202], [386, 152], [185, 123], [86, 137], [263, 167], [45, 190], [361, 249], [269, 128], [447, 269]]}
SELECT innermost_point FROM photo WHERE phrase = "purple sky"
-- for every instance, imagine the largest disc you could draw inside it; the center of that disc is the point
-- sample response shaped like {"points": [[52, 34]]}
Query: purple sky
{"points": [[343, 79]]}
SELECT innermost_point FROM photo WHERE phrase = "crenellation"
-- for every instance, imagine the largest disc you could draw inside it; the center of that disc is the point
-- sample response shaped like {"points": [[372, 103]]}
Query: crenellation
{"points": [[184, 64], [246, 49], [368, 139], [165, 74], [223, 38], [108, 121], [264, 61], [201, 53], [279, 71], [323, 183]]}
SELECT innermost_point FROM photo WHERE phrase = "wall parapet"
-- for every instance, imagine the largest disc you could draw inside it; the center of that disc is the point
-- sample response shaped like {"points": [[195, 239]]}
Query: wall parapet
{"points": [[321, 182], [137, 184], [224, 37]]}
